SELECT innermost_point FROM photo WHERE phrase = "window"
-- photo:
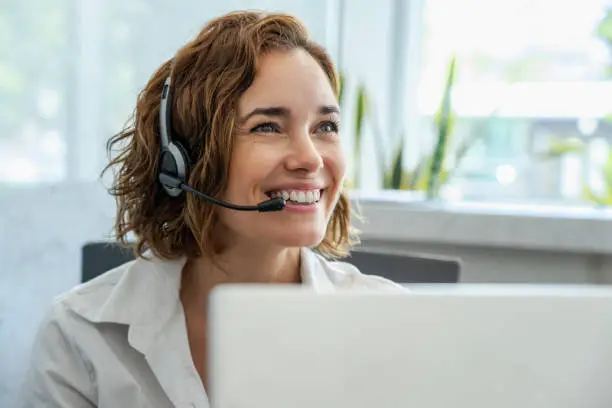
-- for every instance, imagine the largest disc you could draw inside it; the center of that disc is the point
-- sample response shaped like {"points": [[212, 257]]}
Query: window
{"points": [[529, 72], [34, 74], [70, 72]]}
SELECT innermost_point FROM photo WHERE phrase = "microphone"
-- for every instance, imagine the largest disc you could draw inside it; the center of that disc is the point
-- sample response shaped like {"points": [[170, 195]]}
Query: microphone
{"points": [[274, 204]]}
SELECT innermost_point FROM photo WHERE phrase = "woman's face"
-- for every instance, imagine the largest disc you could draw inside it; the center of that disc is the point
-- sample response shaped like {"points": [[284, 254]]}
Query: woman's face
{"points": [[286, 144]]}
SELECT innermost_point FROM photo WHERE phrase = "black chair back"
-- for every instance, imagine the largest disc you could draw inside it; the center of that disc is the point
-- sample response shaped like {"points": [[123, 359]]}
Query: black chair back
{"points": [[99, 257], [407, 267]]}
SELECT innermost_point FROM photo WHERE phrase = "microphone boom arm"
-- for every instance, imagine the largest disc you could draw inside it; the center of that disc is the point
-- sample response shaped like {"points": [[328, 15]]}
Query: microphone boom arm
{"points": [[274, 204]]}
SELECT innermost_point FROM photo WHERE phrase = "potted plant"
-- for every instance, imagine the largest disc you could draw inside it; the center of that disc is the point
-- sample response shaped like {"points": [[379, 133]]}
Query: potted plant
{"points": [[433, 170]]}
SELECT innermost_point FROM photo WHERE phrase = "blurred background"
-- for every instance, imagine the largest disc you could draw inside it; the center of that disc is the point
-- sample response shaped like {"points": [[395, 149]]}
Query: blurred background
{"points": [[479, 129]]}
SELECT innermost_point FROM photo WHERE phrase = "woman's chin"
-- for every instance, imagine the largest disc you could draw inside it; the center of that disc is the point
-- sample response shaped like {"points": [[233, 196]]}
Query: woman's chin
{"points": [[302, 238]]}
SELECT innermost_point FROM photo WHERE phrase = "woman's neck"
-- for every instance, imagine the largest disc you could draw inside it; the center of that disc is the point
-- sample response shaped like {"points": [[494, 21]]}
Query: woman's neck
{"points": [[236, 265]]}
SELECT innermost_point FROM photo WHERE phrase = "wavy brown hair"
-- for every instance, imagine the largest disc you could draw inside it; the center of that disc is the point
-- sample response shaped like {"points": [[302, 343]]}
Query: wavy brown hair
{"points": [[209, 74]]}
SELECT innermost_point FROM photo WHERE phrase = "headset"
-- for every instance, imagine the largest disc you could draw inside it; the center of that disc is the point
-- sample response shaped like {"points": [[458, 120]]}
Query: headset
{"points": [[175, 164]]}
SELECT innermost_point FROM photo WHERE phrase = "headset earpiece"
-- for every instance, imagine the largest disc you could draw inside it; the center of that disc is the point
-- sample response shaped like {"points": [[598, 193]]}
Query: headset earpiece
{"points": [[174, 160]]}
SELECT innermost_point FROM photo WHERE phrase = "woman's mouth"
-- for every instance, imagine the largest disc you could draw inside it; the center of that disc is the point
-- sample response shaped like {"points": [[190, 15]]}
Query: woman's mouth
{"points": [[301, 197]]}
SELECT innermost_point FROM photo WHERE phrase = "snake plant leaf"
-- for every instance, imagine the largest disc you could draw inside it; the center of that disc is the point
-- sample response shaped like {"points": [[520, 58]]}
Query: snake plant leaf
{"points": [[589, 195], [348, 184], [445, 123], [604, 29], [560, 147], [397, 169], [361, 111], [607, 173], [420, 174], [605, 198]]}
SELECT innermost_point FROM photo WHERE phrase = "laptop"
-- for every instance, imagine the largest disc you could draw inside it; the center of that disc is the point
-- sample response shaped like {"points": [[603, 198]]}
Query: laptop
{"points": [[286, 346]]}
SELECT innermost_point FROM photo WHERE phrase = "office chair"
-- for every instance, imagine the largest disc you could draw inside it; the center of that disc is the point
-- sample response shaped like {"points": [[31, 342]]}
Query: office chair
{"points": [[99, 257], [406, 267]]}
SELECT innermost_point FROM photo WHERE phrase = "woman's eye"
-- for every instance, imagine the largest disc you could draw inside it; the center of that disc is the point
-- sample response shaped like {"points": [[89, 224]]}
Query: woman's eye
{"points": [[329, 127], [266, 128]]}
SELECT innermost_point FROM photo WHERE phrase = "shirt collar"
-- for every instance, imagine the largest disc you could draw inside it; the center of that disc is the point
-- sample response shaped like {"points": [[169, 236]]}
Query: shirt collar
{"points": [[145, 292]]}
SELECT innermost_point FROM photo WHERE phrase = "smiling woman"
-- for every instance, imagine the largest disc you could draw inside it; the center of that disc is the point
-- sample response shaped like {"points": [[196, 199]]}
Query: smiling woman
{"points": [[253, 115], [287, 142], [250, 108]]}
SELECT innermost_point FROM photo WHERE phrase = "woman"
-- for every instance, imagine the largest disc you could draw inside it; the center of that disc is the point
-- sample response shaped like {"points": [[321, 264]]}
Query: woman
{"points": [[253, 101]]}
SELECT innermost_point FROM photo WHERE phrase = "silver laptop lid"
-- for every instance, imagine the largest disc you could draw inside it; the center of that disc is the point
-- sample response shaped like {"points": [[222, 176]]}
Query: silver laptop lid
{"points": [[278, 347]]}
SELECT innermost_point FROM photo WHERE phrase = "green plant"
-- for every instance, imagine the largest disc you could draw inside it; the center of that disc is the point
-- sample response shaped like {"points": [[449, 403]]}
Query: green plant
{"points": [[559, 148], [604, 31], [340, 88], [398, 178], [360, 115], [605, 197], [445, 121], [361, 112], [431, 172], [393, 178]]}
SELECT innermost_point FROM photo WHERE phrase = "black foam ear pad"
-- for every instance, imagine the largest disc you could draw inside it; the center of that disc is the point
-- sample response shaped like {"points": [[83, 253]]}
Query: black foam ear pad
{"points": [[174, 162]]}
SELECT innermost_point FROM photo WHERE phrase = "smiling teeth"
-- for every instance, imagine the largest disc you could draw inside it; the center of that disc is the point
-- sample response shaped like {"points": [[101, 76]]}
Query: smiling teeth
{"points": [[298, 196]]}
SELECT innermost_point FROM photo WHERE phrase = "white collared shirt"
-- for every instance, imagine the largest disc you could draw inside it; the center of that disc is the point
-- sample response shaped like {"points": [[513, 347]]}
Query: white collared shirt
{"points": [[120, 340]]}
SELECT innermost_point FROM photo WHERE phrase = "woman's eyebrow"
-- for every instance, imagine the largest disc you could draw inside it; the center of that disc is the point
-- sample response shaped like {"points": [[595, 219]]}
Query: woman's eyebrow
{"points": [[327, 109], [278, 111], [284, 112]]}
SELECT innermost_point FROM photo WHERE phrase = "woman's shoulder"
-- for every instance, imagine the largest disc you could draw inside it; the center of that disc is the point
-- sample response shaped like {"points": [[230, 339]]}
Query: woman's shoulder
{"points": [[135, 290], [97, 333], [82, 298], [343, 274]]}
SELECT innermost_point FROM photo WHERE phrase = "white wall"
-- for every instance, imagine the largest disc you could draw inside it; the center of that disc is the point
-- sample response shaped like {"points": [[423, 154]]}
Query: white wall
{"points": [[43, 229]]}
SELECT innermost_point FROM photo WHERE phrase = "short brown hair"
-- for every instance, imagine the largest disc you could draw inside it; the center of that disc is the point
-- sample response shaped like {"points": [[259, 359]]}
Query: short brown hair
{"points": [[209, 75]]}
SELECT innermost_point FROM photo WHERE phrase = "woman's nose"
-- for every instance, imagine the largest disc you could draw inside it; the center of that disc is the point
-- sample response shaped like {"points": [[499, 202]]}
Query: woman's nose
{"points": [[304, 155]]}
